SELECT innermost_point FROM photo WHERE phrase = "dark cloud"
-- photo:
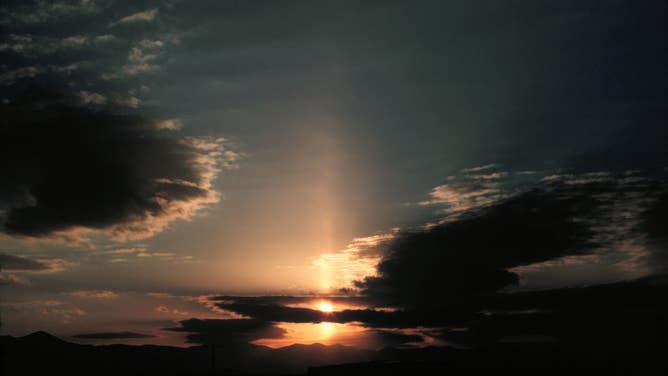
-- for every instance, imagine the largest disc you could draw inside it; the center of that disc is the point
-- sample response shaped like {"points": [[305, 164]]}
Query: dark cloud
{"points": [[62, 176], [112, 335], [9, 262], [471, 255], [68, 168], [288, 299], [231, 331], [273, 309], [628, 316], [480, 249], [283, 308]]}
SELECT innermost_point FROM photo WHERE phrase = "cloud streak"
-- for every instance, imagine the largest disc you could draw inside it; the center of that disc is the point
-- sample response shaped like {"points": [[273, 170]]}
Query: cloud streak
{"points": [[93, 294], [231, 331], [145, 16], [14, 263]]}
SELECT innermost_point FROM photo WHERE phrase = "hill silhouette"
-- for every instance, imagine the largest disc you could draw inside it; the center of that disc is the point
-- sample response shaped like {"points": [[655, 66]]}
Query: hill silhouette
{"points": [[43, 354], [41, 338]]}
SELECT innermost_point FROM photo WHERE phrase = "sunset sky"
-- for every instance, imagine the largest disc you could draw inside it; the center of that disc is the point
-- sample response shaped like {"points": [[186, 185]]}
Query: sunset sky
{"points": [[171, 162]]}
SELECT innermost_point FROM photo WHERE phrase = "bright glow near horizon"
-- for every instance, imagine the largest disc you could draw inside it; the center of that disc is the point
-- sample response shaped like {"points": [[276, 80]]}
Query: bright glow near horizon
{"points": [[325, 306]]}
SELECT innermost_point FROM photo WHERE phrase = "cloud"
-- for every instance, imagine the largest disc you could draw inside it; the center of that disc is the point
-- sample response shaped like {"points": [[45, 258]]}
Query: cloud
{"points": [[573, 316], [501, 227], [145, 16], [160, 295], [47, 10], [170, 311], [211, 303], [66, 314], [143, 55], [476, 188], [133, 69], [170, 124], [104, 38], [141, 253], [87, 97], [112, 335], [24, 265], [499, 231], [470, 255], [130, 101], [35, 72], [93, 294], [118, 260], [64, 178], [356, 261], [13, 279], [33, 46], [509, 228], [464, 195], [75, 41], [11, 76], [49, 308], [137, 55], [480, 168], [292, 309], [490, 176], [609, 317], [9, 262], [269, 309], [227, 331]]}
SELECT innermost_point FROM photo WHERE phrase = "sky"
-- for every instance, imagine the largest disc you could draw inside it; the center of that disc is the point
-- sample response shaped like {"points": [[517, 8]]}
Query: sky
{"points": [[163, 162]]}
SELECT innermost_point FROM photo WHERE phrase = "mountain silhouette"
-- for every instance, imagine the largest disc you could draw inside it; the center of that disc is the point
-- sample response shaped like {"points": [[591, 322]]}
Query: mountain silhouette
{"points": [[43, 354], [41, 338]]}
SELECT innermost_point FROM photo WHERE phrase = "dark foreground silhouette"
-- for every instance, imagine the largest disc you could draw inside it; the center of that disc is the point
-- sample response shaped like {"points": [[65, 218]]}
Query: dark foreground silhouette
{"points": [[620, 328], [43, 354]]}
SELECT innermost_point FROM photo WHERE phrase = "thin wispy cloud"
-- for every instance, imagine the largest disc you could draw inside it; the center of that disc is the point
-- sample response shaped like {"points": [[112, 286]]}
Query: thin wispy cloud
{"points": [[112, 335], [480, 168], [93, 294], [145, 16]]}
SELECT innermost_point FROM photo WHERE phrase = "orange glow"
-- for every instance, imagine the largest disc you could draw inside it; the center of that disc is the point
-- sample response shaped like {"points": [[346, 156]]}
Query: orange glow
{"points": [[347, 334], [325, 306], [324, 303], [326, 333]]}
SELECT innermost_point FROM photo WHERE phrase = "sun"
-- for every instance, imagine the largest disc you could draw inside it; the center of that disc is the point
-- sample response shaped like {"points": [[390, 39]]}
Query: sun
{"points": [[325, 306]]}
